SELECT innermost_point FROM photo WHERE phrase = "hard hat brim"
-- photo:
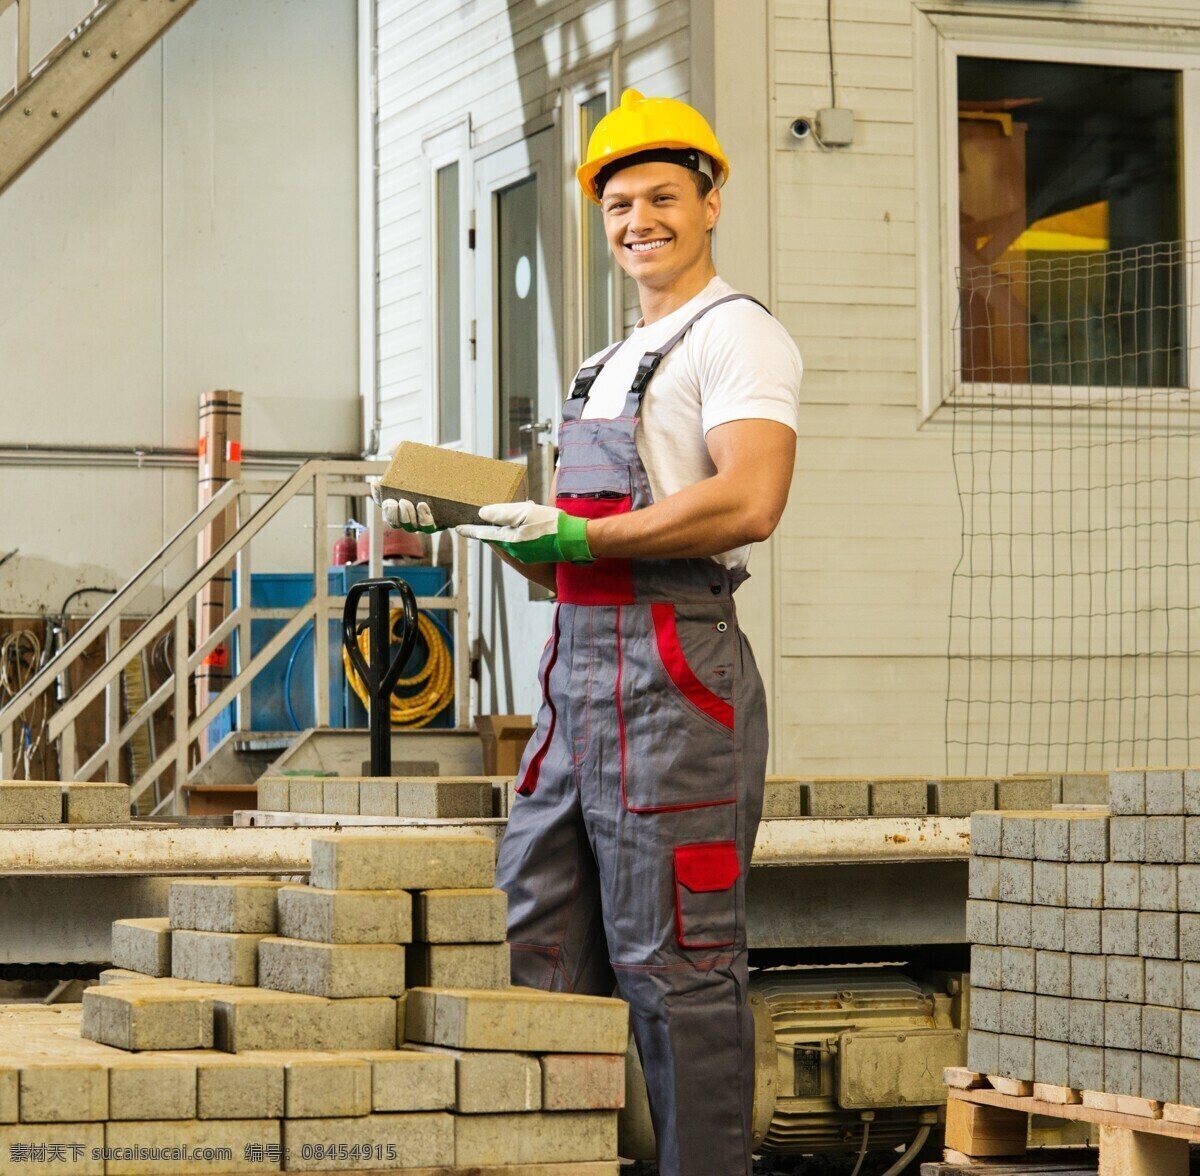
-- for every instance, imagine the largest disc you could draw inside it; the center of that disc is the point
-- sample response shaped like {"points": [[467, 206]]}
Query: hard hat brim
{"points": [[587, 172]]}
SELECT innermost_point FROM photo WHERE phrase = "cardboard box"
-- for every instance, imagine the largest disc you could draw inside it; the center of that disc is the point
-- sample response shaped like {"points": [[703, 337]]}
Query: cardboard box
{"points": [[504, 738], [455, 484]]}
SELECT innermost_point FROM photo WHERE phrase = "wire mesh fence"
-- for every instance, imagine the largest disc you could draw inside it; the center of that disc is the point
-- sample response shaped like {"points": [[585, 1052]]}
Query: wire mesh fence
{"points": [[1074, 636]]}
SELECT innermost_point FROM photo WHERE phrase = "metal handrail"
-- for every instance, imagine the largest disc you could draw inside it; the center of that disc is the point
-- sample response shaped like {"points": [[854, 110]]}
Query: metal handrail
{"points": [[318, 478]]}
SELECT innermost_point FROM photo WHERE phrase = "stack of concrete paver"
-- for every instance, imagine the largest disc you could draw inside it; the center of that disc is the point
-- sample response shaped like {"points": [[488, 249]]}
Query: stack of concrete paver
{"points": [[320, 1056], [919, 796], [48, 802], [1085, 926], [463, 797]]}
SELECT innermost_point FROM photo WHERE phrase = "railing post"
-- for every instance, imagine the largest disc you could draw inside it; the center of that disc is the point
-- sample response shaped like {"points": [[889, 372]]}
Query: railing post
{"points": [[320, 600], [22, 42], [180, 658], [462, 636], [112, 705], [67, 763], [7, 766], [245, 587]]}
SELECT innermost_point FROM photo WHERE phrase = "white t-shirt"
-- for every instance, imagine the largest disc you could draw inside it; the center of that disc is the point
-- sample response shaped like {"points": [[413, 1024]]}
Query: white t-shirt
{"points": [[736, 363]]}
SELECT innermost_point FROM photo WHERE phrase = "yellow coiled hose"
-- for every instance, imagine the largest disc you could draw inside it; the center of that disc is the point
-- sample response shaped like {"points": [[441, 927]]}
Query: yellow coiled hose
{"points": [[414, 710]]}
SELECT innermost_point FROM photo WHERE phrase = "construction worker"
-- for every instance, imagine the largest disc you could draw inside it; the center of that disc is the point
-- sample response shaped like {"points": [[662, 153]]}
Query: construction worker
{"points": [[641, 790]]}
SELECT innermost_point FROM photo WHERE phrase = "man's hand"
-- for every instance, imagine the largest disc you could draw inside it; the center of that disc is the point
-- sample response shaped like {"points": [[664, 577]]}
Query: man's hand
{"points": [[532, 533], [402, 515]]}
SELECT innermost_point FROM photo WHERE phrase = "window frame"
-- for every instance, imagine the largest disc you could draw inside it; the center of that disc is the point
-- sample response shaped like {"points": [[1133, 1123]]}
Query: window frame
{"points": [[940, 40]]}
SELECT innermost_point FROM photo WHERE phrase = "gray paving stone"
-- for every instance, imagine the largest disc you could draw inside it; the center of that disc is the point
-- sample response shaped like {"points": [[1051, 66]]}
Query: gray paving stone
{"points": [[1089, 837], [1017, 1013], [1088, 977], [962, 797], [404, 860], [1047, 926], [1018, 835], [1053, 973], [1082, 931], [899, 798], [1189, 888], [1127, 839], [1085, 788], [985, 967], [1164, 839], [1052, 839], [1191, 986], [1159, 887], [1017, 969], [1189, 1034], [1016, 880], [981, 921], [983, 1052], [838, 798], [1189, 1082], [1085, 885], [1160, 1077], [1127, 793], [1124, 979], [1191, 840], [1050, 883], [30, 802], [1122, 1072], [985, 833], [1052, 1017], [1189, 937], [1122, 1026], [1051, 1062], [1164, 792], [1164, 983], [1158, 935], [1013, 924], [984, 878], [1122, 885], [1015, 1057], [1027, 792], [1086, 1067], [1087, 1022], [1160, 1030], [985, 1010], [1191, 793], [1119, 933]]}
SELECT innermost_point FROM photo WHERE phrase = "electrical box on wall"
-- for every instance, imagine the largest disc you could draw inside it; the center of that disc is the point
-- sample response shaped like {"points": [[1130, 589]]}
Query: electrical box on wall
{"points": [[835, 126]]}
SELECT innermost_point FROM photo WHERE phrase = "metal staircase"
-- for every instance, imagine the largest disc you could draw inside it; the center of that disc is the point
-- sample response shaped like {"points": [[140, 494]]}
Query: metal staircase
{"points": [[257, 502], [48, 95]]}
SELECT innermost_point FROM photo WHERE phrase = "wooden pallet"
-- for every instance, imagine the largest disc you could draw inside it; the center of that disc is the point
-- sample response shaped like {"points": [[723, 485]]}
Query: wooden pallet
{"points": [[987, 1116]]}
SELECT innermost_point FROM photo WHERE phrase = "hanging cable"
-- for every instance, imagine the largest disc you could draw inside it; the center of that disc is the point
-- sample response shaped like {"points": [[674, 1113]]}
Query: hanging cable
{"points": [[20, 658], [424, 705], [832, 70]]}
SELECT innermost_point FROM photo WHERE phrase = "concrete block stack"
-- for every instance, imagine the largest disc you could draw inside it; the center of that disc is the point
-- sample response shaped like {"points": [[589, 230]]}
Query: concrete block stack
{"points": [[334, 1039], [47, 802], [1085, 926], [461, 797]]}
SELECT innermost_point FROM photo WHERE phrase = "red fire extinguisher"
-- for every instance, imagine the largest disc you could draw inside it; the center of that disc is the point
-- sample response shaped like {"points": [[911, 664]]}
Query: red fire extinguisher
{"points": [[346, 547]]}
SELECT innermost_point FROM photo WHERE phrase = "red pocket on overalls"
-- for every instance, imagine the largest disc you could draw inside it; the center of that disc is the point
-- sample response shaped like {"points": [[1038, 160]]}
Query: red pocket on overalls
{"points": [[705, 875]]}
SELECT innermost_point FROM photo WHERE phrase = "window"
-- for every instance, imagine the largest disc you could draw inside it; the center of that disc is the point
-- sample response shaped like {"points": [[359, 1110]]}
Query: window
{"points": [[449, 305], [517, 313], [596, 259]]}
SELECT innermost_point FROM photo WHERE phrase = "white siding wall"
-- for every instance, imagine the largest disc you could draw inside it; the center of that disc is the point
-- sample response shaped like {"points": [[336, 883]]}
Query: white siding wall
{"points": [[502, 65], [871, 536], [194, 229]]}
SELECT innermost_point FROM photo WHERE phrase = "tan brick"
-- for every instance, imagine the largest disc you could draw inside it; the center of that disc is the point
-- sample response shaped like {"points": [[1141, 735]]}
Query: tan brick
{"points": [[75, 1140], [324, 1085], [377, 798], [142, 1088], [125, 976], [446, 798], [256, 1019], [406, 1141], [234, 1134], [408, 860], [238, 1086], [783, 797], [331, 969], [62, 1091], [460, 916], [518, 1020], [273, 794], [30, 803], [215, 957], [537, 1138], [224, 904], [345, 916], [490, 1081], [10, 1085], [142, 945], [97, 803], [340, 796], [583, 1082], [306, 795], [411, 1079], [465, 965], [141, 1016], [895, 797]]}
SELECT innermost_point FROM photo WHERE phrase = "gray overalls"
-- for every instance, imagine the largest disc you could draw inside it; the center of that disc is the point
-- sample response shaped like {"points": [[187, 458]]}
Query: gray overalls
{"points": [[640, 796]]}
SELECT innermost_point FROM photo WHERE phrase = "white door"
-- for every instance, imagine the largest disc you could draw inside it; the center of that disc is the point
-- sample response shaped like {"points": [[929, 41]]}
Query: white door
{"points": [[518, 387]]}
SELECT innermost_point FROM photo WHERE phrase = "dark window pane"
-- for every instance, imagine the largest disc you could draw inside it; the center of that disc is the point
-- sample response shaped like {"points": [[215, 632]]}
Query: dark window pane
{"points": [[449, 308], [517, 302], [1070, 224]]}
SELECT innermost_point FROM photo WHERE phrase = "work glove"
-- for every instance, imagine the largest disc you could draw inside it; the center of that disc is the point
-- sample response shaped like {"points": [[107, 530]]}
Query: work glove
{"points": [[401, 514], [532, 533]]}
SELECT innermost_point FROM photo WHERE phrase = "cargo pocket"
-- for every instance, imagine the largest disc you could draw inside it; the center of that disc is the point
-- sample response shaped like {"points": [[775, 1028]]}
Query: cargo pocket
{"points": [[705, 875]]}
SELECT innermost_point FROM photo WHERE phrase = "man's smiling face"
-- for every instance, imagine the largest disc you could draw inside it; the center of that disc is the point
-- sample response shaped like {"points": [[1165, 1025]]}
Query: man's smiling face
{"points": [[657, 223]]}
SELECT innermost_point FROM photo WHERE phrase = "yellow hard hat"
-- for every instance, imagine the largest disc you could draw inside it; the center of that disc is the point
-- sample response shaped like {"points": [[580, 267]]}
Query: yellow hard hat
{"points": [[646, 124]]}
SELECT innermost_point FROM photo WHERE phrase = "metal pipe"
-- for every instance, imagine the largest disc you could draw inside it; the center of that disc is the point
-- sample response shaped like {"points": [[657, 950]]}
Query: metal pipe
{"points": [[151, 456], [910, 1155]]}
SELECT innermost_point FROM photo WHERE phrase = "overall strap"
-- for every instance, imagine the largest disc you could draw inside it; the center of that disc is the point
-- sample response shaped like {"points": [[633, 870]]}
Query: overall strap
{"points": [[649, 362]]}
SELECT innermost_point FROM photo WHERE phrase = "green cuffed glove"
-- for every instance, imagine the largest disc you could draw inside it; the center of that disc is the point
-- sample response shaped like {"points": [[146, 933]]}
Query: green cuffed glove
{"points": [[532, 533]]}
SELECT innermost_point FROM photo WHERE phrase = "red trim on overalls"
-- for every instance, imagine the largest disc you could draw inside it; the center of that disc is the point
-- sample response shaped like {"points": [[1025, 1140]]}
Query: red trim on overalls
{"points": [[604, 581], [533, 769], [680, 672]]}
